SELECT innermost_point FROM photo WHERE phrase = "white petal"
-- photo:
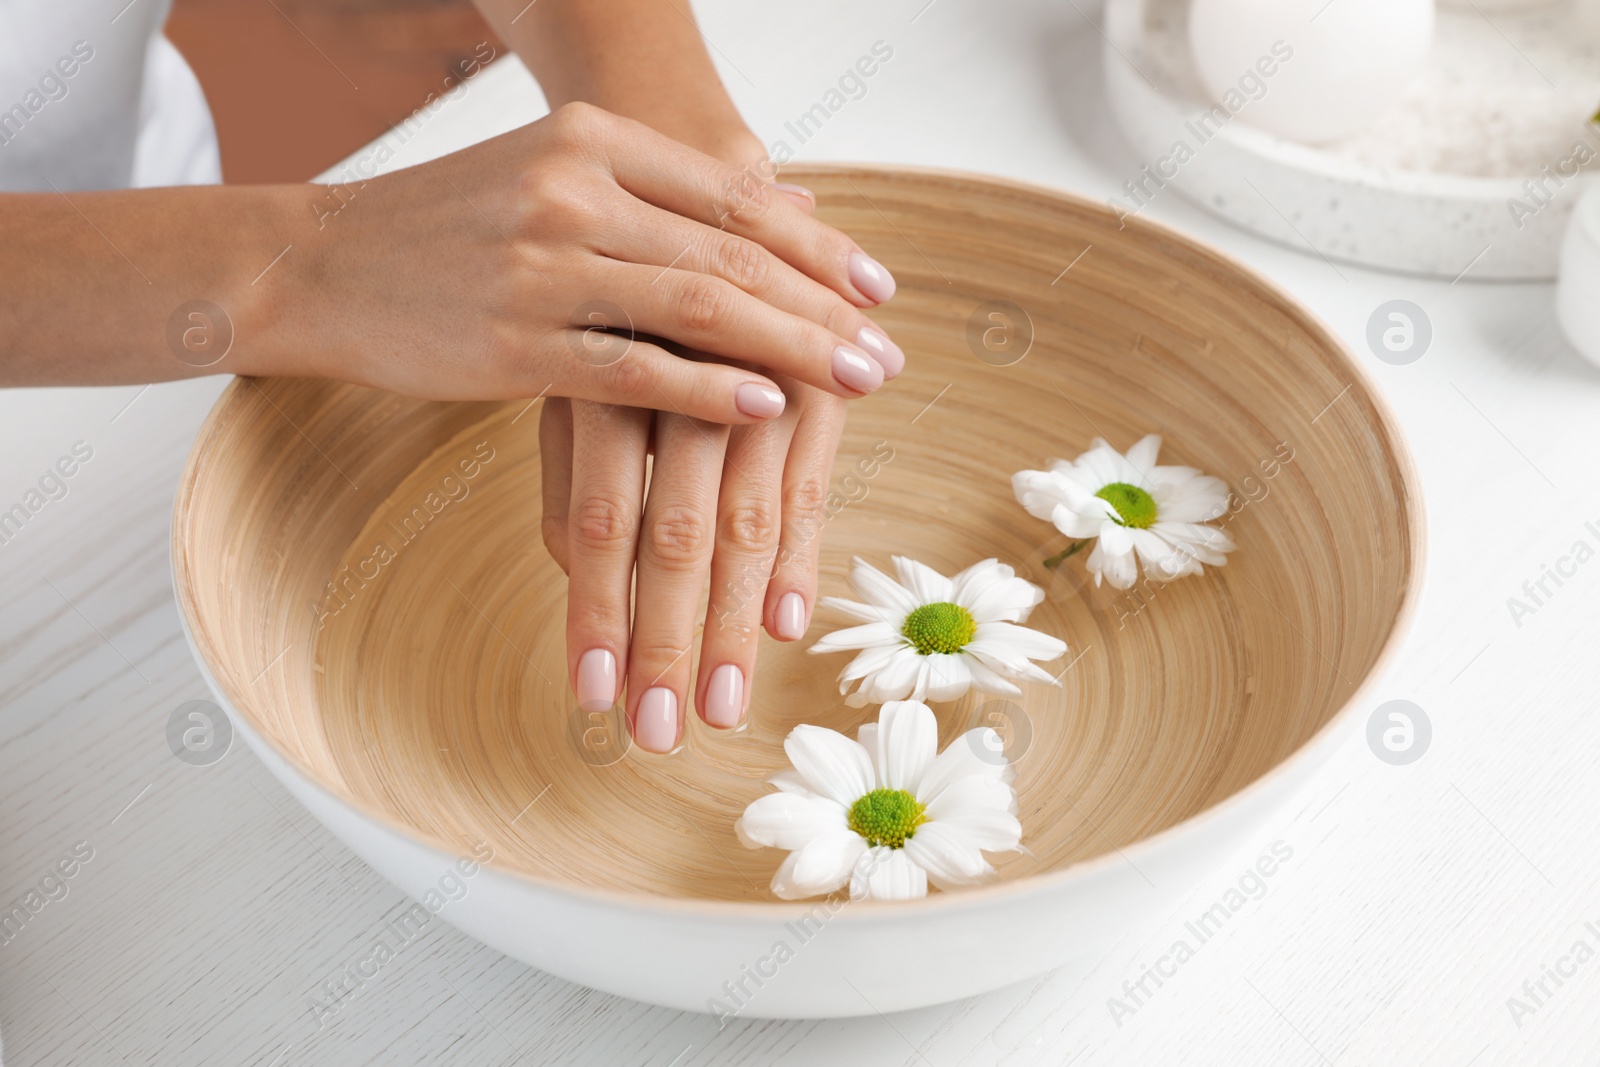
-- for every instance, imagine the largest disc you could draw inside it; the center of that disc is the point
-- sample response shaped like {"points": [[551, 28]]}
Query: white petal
{"points": [[887, 874], [832, 764], [869, 635], [1160, 556], [867, 738], [947, 676], [880, 589], [986, 742], [1038, 492], [1207, 543], [1082, 524], [1101, 465], [1117, 567], [992, 829], [869, 661], [1142, 456], [1008, 643], [907, 740], [896, 679], [788, 821], [925, 583], [859, 611], [1197, 498], [985, 679], [948, 855], [972, 795], [790, 780], [991, 591], [1020, 670], [821, 867], [959, 762]]}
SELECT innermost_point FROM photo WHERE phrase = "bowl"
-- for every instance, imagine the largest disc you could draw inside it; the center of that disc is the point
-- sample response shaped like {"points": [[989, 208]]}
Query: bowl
{"points": [[362, 581], [1391, 197]]}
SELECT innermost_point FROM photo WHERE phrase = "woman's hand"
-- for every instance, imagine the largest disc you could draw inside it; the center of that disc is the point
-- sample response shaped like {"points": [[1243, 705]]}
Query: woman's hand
{"points": [[483, 275], [743, 507]]}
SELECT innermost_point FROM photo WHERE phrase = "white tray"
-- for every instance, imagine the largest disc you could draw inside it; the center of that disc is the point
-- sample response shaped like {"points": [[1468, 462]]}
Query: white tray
{"points": [[1364, 200]]}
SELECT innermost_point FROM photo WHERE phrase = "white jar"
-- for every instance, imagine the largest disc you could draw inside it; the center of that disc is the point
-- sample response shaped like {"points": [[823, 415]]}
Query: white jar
{"points": [[1578, 286], [1309, 70]]}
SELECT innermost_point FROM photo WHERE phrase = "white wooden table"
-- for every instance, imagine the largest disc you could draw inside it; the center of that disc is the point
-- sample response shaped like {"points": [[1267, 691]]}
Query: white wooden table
{"points": [[1418, 900]]}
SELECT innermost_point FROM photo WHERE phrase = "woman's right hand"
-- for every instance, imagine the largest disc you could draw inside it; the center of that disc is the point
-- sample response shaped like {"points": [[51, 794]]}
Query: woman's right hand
{"points": [[482, 275]]}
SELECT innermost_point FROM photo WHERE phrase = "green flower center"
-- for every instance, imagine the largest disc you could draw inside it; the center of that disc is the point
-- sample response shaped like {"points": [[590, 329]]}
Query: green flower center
{"points": [[939, 627], [886, 817], [1135, 507]]}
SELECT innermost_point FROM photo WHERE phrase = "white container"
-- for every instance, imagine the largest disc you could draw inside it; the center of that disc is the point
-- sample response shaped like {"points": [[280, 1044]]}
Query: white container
{"points": [[1578, 287], [1323, 70]]}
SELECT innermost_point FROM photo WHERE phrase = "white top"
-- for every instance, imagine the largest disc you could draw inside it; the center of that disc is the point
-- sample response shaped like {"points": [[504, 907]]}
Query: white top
{"points": [[92, 96]]}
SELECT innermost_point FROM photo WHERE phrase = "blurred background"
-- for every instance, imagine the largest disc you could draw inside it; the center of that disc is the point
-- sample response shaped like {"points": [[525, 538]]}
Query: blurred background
{"points": [[297, 85]]}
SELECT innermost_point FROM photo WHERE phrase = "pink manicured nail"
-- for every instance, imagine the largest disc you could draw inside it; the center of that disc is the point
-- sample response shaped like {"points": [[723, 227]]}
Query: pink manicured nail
{"points": [[870, 278], [758, 401], [597, 680], [853, 370], [885, 351], [804, 198], [655, 724], [791, 620], [724, 705]]}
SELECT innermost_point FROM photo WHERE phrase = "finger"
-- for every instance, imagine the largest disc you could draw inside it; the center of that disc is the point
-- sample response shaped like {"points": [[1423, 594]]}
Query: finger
{"points": [[555, 475], [711, 315], [803, 198], [670, 175], [792, 593], [637, 373], [665, 239], [748, 519], [608, 472], [674, 558]]}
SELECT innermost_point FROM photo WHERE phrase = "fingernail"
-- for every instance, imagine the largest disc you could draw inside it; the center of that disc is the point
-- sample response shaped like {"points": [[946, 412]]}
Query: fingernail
{"points": [[597, 680], [885, 351], [803, 197], [725, 696], [655, 725], [853, 370], [870, 278], [758, 401], [791, 618]]}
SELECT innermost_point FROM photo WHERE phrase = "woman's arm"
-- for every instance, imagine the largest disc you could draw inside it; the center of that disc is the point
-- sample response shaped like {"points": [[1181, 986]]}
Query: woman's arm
{"points": [[641, 58], [89, 282], [473, 276]]}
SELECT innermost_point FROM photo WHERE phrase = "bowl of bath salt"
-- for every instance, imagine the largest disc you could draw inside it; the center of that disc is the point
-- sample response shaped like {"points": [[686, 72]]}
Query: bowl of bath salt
{"points": [[1470, 174]]}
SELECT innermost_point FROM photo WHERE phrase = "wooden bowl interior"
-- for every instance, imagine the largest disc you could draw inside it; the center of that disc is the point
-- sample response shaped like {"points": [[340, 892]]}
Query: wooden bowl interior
{"points": [[394, 627]]}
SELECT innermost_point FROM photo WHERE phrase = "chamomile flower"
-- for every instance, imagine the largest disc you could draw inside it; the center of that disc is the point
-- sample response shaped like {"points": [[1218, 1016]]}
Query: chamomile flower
{"points": [[928, 637], [1135, 511], [883, 814]]}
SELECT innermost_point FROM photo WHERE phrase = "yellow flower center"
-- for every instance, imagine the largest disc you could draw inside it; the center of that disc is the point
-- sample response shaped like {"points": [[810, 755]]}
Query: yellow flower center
{"points": [[1135, 507], [939, 627], [887, 817]]}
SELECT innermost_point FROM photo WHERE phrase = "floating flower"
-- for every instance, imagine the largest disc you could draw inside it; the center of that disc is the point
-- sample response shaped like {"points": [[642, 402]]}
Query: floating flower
{"points": [[1134, 508], [884, 814], [931, 637]]}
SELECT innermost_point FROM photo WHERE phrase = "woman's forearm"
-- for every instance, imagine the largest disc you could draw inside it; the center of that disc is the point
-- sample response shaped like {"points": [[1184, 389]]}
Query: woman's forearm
{"points": [[641, 58], [147, 285]]}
